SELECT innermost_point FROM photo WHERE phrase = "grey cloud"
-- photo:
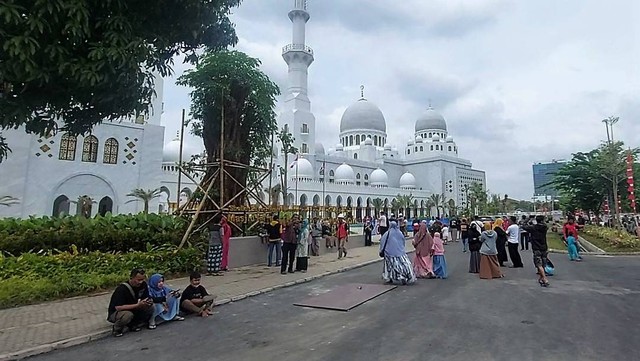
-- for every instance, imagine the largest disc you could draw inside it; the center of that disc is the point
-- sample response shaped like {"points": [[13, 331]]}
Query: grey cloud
{"points": [[422, 87]]}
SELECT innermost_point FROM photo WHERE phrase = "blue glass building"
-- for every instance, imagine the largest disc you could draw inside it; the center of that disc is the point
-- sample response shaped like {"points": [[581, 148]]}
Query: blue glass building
{"points": [[542, 175]]}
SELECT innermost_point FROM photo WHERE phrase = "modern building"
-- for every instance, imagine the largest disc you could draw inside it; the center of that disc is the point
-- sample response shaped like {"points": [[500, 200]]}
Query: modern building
{"points": [[363, 165], [543, 174]]}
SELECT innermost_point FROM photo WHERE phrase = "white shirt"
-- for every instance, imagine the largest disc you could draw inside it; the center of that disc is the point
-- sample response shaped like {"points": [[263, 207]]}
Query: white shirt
{"points": [[383, 221], [445, 233], [514, 233]]}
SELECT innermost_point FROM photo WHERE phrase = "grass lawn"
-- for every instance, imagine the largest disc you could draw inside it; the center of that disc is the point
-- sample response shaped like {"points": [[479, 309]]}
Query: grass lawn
{"points": [[554, 240]]}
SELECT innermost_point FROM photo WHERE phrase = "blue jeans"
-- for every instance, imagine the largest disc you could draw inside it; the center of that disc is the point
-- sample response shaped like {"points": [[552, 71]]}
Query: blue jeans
{"points": [[465, 244], [274, 246]]}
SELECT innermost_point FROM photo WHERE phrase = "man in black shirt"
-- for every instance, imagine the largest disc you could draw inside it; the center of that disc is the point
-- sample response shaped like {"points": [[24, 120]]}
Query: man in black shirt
{"points": [[130, 305], [538, 239], [195, 298]]}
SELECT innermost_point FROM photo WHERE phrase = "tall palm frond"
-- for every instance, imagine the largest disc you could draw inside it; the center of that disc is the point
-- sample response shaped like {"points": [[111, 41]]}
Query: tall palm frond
{"points": [[144, 196]]}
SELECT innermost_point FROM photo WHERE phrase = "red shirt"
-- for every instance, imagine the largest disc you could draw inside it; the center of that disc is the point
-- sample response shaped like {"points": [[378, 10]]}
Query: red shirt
{"points": [[570, 230], [342, 230]]}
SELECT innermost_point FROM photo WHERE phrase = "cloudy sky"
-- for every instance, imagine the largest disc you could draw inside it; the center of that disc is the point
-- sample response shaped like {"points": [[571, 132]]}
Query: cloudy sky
{"points": [[517, 81]]}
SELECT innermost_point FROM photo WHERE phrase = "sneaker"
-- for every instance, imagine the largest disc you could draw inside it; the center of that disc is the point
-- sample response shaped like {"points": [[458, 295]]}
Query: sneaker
{"points": [[116, 333]]}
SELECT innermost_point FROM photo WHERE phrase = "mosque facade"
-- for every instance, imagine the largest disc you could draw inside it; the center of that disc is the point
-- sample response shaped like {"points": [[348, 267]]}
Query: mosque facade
{"points": [[363, 166]]}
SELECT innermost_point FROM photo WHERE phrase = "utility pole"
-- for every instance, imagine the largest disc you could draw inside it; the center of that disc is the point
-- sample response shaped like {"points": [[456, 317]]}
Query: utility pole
{"points": [[609, 122]]}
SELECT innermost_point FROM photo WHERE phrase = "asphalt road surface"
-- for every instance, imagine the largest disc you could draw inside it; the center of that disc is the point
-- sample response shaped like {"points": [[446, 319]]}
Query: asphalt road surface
{"points": [[590, 312]]}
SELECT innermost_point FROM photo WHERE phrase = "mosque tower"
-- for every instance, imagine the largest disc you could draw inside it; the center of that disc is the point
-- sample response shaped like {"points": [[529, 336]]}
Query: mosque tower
{"points": [[297, 107]]}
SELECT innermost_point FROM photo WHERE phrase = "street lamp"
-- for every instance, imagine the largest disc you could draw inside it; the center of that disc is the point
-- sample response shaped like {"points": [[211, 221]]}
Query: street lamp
{"points": [[609, 122]]}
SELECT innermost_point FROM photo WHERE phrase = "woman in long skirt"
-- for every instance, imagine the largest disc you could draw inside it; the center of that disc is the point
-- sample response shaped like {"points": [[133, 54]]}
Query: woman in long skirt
{"points": [[489, 267], [226, 242], [422, 263], [501, 241], [475, 230], [397, 266], [302, 249], [214, 255]]}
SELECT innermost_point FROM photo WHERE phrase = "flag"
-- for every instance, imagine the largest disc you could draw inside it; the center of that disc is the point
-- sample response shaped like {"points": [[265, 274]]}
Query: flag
{"points": [[293, 164]]}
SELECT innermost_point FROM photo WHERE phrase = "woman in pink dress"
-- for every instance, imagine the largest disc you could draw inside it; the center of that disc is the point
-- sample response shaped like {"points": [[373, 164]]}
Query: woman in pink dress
{"points": [[226, 237], [422, 263]]}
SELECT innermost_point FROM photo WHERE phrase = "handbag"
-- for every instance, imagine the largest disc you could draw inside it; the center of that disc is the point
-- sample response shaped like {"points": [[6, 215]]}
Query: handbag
{"points": [[381, 254]]}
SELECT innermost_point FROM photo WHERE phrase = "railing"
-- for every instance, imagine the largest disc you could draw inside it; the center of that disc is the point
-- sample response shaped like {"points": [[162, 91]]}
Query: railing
{"points": [[297, 47]]}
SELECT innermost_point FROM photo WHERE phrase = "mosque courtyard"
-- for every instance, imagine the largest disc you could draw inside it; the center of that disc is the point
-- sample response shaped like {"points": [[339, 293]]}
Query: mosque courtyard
{"points": [[588, 313]]}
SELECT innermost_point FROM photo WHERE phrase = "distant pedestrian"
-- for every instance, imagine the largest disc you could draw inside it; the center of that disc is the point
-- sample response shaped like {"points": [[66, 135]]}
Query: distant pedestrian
{"points": [[274, 229], [302, 249], [464, 234], [383, 223], [501, 241], [512, 243], [289, 245], [397, 266], [439, 262], [423, 243], [445, 234], [475, 231], [316, 236], [489, 266], [329, 240], [454, 224], [524, 235], [368, 229], [342, 232], [226, 242], [214, 255]]}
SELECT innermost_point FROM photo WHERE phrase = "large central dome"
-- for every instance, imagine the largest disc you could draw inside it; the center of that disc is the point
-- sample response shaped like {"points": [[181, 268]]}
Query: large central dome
{"points": [[431, 120], [363, 115]]}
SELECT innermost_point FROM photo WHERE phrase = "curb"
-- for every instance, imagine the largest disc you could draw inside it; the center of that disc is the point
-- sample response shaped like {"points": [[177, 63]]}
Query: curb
{"points": [[78, 340], [560, 251]]}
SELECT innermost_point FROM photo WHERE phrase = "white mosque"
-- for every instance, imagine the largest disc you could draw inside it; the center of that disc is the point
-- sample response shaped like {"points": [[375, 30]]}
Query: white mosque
{"points": [[363, 166], [48, 175]]}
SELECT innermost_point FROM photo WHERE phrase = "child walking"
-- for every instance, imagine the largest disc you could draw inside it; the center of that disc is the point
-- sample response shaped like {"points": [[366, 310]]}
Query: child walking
{"points": [[445, 234], [439, 263], [572, 248]]}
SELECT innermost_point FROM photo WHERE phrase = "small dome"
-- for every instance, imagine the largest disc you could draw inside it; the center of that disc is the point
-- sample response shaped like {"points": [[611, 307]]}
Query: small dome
{"points": [[339, 147], [345, 174], [449, 139], [410, 141], [431, 120], [379, 178], [304, 169], [319, 148], [363, 115], [368, 141], [171, 151], [387, 147], [419, 139], [436, 138], [407, 181]]}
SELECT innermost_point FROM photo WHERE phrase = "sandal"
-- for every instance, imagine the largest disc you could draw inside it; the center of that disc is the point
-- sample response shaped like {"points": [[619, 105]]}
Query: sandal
{"points": [[152, 327]]}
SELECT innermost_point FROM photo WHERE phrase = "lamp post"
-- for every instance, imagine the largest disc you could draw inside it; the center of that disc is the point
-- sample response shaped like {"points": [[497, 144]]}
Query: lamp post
{"points": [[609, 122]]}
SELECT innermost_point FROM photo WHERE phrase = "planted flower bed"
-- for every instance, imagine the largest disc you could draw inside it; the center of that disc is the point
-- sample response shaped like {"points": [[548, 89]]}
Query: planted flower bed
{"points": [[611, 240]]}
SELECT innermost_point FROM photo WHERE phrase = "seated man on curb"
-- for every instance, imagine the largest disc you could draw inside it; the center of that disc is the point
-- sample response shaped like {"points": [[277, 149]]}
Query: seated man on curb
{"points": [[130, 304], [195, 299]]}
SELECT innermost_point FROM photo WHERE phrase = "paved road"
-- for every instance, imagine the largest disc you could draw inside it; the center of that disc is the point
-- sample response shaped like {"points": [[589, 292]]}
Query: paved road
{"points": [[590, 312]]}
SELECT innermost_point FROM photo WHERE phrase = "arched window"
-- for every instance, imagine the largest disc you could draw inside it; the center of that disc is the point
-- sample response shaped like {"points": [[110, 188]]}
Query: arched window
{"points": [[449, 148], [351, 140], [61, 206], [358, 176], [358, 139], [366, 177], [415, 149], [105, 206], [90, 149], [110, 151], [430, 135], [68, 147], [431, 148], [355, 155], [421, 148], [363, 138], [408, 151]]}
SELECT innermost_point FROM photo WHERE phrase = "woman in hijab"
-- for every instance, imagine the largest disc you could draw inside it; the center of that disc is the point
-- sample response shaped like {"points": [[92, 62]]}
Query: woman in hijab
{"points": [[501, 242], [226, 238], [302, 249], [165, 301], [397, 266], [489, 267], [422, 263]]}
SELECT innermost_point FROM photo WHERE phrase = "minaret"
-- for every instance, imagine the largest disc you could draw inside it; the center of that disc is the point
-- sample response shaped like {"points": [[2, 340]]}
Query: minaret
{"points": [[297, 107]]}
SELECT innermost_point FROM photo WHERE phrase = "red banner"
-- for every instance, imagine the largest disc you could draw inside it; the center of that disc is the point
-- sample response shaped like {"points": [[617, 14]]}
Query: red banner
{"points": [[630, 189]]}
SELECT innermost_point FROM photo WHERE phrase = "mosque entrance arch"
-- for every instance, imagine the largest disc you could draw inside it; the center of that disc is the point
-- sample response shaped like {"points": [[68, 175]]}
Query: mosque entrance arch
{"points": [[105, 206], [61, 206], [359, 209], [316, 206]]}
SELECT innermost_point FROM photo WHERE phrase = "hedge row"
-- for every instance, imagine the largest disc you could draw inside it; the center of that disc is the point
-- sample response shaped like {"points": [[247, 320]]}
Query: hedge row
{"points": [[121, 233], [32, 278]]}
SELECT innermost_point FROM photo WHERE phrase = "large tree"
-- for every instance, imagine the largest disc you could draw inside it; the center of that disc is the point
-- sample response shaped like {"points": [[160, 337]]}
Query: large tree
{"points": [[229, 85], [69, 65]]}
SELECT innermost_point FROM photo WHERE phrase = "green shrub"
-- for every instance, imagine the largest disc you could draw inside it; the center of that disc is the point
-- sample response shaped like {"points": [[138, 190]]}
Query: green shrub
{"points": [[618, 239], [32, 278], [119, 233]]}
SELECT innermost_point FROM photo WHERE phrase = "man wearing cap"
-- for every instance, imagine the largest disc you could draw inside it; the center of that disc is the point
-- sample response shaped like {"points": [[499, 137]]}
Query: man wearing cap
{"points": [[342, 232]]}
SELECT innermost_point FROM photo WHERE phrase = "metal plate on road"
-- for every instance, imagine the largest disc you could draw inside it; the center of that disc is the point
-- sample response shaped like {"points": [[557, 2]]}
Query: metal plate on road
{"points": [[345, 297]]}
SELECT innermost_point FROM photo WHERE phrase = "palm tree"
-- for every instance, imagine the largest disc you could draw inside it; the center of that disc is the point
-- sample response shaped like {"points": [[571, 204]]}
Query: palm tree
{"points": [[8, 201], [430, 206], [395, 205], [436, 200], [377, 205], [145, 196]]}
